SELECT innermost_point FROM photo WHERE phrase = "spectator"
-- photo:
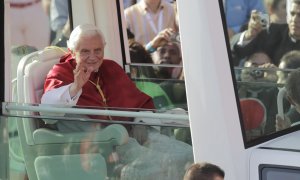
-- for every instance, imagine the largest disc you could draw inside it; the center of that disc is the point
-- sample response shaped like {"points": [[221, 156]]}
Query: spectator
{"points": [[292, 92], [277, 40], [169, 54], [277, 10], [289, 61], [161, 100], [143, 74], [254, 84], [165, 35], [204, 171], [238, 12], [258, 60], [161, 39], [149, 17]]}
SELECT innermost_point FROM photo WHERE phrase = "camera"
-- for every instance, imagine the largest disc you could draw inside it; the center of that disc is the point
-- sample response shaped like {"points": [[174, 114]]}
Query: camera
{"points": [[257, 73], [175, 37], [264, 20]]}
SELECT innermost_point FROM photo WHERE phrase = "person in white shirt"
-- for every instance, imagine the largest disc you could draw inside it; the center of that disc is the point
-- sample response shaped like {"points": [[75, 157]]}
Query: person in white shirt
{"points": [[29, 24], [148, 18]]}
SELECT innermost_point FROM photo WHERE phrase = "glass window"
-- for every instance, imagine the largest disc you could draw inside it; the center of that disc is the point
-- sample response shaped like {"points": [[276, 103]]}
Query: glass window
{"points": [[129, 130], [275, 172], [155, 50], [264, 52]]}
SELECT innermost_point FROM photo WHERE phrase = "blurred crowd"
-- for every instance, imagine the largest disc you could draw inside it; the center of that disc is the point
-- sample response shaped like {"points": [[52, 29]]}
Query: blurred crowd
{"points": [[265, 42]]}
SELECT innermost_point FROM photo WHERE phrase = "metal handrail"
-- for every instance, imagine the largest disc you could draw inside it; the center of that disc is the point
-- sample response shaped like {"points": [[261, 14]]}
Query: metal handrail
{"points": [[7, 107]]}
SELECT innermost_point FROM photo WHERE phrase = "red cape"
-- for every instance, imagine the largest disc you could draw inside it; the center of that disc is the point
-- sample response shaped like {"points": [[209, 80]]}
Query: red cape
{"points": [[118, 89]]}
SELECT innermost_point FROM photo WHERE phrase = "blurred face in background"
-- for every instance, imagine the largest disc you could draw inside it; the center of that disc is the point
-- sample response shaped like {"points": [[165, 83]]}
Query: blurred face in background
{"points": [[169, 54], [256, 60], [294, 21]]}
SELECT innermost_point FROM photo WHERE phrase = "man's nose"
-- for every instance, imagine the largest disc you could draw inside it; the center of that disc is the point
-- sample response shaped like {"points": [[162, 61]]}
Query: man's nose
{"points": [[93, 56]]}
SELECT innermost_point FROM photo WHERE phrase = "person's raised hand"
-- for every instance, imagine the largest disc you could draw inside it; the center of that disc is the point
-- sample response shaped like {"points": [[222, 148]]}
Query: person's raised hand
{"points": [[254, 26], [81, 76], [162, 37], [270, 75]]}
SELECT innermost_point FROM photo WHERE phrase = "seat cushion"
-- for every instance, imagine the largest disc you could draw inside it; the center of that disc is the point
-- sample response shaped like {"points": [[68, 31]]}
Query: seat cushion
{"points": [[71, 167]]}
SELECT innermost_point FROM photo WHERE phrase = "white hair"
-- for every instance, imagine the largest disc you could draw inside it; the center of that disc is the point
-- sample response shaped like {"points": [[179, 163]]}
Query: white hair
{"points": [[83, 30]]}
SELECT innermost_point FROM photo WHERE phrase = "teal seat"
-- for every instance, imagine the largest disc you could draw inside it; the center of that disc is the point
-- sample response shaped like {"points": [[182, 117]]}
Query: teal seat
{"points": [[16, 159], [58, 167], [160, 98], [41, 144], [162, 101]]}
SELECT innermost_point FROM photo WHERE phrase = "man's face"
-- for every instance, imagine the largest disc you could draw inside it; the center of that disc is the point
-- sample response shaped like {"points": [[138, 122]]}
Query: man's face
{"points": [[257, 60], [294, 21], [169, 54], [90, 52]]}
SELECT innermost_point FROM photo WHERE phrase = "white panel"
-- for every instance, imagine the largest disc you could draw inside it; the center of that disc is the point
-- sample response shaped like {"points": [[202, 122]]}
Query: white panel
{"points": [[107, 20], [125, 38], [289, 141], [213, 113], [82, 12]]}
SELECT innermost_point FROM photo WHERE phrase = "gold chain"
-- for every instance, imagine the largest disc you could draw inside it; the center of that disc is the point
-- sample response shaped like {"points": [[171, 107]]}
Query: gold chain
{"points": [[100, 92]]}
